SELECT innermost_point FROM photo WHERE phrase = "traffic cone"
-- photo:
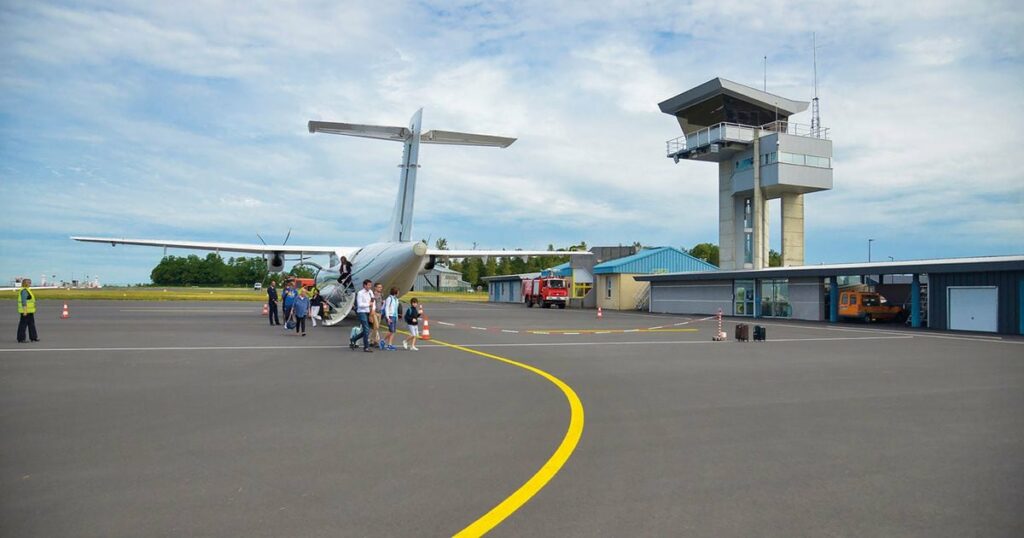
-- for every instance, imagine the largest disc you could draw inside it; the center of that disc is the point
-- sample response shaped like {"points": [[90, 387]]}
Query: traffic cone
{"points": [[65, 314], [266, 309], [426, 329], [600, 314]]}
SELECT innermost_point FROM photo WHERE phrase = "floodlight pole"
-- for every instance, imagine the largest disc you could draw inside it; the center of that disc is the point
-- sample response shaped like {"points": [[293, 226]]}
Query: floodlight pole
{"points": [[869, 250]]}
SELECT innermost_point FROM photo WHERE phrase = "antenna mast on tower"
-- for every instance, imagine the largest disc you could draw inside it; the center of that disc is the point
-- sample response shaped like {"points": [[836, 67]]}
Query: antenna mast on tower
{"points": [[815, 111]]}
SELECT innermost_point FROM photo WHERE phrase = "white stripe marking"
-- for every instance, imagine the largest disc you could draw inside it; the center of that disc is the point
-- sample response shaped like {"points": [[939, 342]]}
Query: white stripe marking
{"points": [[193, 310], [676, 342], [445, 323], [509, 331], [479, 328], [655, 328]]}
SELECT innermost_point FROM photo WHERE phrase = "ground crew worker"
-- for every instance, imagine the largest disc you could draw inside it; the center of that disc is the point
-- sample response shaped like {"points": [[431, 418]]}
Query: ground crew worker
{"points": [[27, 309]]}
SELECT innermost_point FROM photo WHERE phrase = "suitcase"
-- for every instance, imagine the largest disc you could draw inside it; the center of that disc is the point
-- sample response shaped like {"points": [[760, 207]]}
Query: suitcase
{"points": [[742, 332], [760, 333]]}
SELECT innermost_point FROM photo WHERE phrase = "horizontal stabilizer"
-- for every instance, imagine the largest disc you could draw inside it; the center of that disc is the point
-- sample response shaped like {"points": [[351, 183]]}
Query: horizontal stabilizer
{"points": [[380, 132], [465, 139]]}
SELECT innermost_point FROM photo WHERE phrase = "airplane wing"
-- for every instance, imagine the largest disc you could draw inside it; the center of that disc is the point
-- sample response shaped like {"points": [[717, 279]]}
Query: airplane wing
{"points": [[226, 247], [504, 253]]}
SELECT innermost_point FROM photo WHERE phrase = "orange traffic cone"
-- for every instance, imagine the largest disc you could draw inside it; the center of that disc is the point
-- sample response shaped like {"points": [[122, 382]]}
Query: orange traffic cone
{"points": [[266, 309], [65, 314], [600, 314], [426, 329]]}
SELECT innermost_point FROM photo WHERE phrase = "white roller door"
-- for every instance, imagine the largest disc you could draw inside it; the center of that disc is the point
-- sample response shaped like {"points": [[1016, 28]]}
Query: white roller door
{"points": [[973, 308]]}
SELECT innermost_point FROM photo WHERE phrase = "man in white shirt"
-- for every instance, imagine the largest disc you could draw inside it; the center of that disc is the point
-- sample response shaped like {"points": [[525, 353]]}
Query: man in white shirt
{"points": [[364, 304]]}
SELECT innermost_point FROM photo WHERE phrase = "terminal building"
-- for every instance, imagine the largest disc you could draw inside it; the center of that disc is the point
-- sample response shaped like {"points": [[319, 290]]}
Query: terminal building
{"points": [[761, 155]]}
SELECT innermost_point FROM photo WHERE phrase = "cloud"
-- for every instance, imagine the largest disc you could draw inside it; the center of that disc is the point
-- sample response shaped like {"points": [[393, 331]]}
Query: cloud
{"points": [[145, 119]]}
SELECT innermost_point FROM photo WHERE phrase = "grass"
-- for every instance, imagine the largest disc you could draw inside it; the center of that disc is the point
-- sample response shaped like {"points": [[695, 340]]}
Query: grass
{"points": [[207, 294]]}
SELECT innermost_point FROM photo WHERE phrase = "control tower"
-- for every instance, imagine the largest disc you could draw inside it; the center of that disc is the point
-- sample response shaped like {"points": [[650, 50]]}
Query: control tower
{"points": [[761, 156]]}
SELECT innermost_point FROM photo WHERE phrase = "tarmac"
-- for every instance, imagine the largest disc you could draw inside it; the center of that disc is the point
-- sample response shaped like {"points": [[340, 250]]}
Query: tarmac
{"points": [[199, 419]]}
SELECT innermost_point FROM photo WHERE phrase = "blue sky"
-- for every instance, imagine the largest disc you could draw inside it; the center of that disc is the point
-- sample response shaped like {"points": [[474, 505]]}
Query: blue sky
{"points": [[149, 120]]}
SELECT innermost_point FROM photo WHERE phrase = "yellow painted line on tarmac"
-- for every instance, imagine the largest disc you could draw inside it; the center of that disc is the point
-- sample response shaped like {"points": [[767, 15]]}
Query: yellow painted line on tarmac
{"points": [[521, 496]]}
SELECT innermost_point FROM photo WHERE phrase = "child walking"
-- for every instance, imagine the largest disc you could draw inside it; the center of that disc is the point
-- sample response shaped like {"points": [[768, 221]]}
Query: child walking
{"points": [[412, 319], [391, 317]]}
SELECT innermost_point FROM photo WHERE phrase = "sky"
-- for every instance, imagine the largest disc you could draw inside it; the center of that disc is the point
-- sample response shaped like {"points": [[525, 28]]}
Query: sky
{"points": [[152, 120]]}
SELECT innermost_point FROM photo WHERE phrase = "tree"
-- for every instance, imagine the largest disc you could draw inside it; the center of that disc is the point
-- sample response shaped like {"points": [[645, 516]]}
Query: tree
{"points": [[706, 251], [774, 258], [302, 271], [441, 243]]}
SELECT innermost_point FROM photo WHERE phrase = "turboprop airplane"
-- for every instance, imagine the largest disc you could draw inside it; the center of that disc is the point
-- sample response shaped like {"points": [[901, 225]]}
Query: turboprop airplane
{"points": [[395, 261]]}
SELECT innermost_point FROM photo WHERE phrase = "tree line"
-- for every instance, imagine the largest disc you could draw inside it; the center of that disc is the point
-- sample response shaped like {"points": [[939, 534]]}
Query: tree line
{"points": [[214, 271]]}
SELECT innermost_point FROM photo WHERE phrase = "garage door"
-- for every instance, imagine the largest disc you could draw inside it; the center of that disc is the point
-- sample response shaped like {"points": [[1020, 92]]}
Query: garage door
{"points": [[974, 308]]}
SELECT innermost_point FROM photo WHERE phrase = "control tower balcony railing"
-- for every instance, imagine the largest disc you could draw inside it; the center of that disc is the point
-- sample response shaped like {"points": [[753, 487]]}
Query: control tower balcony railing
{"points": [[736, 132]]}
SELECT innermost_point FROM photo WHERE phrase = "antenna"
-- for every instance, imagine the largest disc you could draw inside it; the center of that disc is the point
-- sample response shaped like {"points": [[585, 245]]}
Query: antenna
{"points": [[815, 111], [766, 73]]}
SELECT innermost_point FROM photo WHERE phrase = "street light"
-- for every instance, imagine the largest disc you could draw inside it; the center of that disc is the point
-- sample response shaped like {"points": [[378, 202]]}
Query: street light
{"points": [[869, 250], [892, 259]]}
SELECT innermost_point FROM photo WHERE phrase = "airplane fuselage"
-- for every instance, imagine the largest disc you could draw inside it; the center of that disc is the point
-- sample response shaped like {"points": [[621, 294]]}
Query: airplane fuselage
{"points": [[392, 264]]}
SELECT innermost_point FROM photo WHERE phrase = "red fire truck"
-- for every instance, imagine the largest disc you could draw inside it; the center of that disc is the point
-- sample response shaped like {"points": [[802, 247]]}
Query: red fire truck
{"points": [[545, 291]]}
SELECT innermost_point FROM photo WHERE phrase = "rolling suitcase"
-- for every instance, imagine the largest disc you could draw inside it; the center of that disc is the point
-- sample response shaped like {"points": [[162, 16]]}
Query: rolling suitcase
{"points": [[759, 333], [742, 332]]}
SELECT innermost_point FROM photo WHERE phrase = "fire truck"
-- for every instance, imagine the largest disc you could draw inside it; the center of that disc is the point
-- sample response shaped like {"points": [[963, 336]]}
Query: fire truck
{"points": [[545, 291]]}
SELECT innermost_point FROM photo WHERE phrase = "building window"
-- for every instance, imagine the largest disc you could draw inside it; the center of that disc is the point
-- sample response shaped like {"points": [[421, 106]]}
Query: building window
{"points": [[769, 158], [775, 298], [745, 164], [804, 160], [581, 289], [607, 287]]}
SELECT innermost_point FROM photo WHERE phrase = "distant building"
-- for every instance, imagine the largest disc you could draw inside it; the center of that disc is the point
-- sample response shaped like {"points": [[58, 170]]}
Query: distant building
{"points": [[507, 288], [617, 290], [441, 278]]}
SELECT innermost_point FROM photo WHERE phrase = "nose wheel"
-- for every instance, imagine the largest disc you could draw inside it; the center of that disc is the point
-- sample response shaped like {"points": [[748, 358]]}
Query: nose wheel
{"points": [[341, 300]]}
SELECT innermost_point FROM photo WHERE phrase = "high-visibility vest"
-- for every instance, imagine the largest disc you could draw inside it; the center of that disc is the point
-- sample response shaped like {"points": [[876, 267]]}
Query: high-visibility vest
{"points": [[30, 304]]}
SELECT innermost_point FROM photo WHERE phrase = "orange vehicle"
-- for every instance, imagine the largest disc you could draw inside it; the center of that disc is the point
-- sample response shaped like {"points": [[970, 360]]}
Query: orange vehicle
{"points": [[867, 306], [304, 282]]}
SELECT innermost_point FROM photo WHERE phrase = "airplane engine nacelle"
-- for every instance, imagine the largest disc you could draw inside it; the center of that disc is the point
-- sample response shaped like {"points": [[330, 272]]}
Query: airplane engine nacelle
{"points": [[275, 264]]}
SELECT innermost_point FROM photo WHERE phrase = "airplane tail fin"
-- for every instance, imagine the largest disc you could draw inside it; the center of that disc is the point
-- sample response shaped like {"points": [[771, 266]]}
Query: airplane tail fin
{"points": [[411, 137]]}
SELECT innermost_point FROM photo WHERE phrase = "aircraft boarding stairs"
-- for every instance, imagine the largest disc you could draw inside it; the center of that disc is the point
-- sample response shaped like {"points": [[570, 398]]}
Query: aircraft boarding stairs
{"points": [[341, 299]]}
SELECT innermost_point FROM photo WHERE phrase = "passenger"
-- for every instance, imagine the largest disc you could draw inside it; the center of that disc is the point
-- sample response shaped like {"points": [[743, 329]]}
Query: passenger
{"points": [[412, 319], [378, 306], [272, 303], [364, 303], [345, 268], [26, 312], [301, 310], [288, 296], [316, 303], [390, 313]]}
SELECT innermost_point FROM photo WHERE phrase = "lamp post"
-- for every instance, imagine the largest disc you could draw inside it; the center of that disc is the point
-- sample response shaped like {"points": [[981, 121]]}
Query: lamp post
{"points": [[892, 259], [869, 249]]}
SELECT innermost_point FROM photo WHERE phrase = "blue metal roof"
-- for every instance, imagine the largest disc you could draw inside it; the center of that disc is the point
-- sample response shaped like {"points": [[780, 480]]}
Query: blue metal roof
{"points": [[654, 261], [562, 270]]}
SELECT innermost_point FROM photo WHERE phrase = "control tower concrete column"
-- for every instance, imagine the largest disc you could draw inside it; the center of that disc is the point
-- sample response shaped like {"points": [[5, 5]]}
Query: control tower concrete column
{"points": [[761, 156]]}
